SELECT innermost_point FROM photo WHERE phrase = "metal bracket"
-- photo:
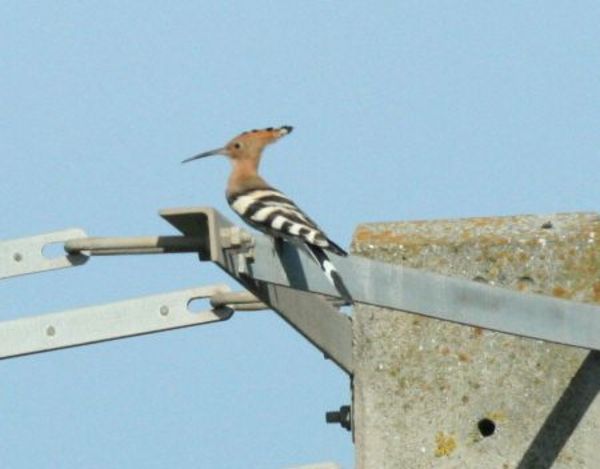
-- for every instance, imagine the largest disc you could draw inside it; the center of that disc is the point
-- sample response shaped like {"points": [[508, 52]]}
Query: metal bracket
{"points": [[316, 319], [108, 322], [311, 315], [92, 324], [396, 287], [288, 281]]}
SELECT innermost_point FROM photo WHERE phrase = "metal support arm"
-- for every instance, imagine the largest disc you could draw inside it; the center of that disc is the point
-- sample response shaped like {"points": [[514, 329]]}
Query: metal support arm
{"points": [[206, 232], [287, 279], [33, 334], [395, 287], [108, 322], [228, 246]]}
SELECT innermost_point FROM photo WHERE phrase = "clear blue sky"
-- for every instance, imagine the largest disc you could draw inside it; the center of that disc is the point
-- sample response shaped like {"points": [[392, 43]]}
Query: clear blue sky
{"points": [[403, 111]]}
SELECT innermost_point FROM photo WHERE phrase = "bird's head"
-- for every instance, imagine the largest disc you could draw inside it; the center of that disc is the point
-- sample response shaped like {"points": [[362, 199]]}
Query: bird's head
{"points": [[247, 144]]}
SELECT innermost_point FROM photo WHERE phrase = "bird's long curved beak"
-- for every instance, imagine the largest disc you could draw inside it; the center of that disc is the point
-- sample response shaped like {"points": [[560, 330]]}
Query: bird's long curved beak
{"points": [[217, 151]]}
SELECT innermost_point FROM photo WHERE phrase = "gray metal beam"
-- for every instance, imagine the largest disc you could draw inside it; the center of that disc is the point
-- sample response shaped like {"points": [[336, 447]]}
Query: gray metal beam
{"points": [[313, 317], [397, 287], [441, 297], [108, 322]]}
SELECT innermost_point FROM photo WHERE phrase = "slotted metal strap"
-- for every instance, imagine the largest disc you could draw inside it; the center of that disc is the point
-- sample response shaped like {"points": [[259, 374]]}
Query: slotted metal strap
{"points": [[108, 322], [26, 255]]}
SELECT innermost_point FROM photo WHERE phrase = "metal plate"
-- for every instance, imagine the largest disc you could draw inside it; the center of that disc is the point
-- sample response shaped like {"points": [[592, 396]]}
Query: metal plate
{"points": [[25, 255], [448, 298], [107, 322]]}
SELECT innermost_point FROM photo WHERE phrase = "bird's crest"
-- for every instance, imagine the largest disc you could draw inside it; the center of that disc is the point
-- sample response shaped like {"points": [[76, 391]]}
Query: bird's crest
{"points": [[267, 135]]}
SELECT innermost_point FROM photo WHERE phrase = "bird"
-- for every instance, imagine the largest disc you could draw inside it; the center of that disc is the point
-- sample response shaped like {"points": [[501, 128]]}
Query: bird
{"points": [[269, 210]]}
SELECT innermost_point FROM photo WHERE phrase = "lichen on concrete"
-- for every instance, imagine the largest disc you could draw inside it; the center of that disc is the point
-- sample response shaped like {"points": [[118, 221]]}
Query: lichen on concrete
{"points": [[418, 378]]}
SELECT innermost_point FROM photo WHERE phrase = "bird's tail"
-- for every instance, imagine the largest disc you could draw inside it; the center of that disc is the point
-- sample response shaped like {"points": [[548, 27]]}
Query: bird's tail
{"points": [[331, 272]]}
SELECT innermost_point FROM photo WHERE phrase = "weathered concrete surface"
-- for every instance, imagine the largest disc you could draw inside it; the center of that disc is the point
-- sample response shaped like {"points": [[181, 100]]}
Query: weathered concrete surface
{"points": [[422, 386]]}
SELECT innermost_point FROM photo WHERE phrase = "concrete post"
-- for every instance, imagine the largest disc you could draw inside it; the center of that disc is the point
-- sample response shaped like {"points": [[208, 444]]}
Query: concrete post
{"points": [[433, 394]]}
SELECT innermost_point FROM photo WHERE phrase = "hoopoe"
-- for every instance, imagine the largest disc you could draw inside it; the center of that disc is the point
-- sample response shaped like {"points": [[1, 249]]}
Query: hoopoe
{"points": [[269, 210]]}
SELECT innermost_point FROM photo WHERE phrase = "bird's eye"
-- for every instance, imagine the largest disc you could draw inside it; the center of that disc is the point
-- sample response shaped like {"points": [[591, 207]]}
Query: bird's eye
{"points": [[237, 145]]}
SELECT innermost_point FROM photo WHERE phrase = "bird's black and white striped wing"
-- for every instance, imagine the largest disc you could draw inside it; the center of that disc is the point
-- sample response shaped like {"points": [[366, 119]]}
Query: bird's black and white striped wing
{"points": [[272, 212]]}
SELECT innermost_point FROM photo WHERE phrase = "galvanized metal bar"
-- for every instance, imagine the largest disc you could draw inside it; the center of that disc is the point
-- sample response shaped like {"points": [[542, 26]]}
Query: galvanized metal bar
{"points": [[25, 255], [311, 315], [134, 245], [396, 287], [108, 322], [448, 298]]}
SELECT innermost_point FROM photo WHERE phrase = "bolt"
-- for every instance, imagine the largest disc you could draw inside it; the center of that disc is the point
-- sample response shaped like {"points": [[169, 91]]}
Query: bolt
{"points": [[342, 416], [50, 331], [235, 234], [164, 310], [246, 238], [235, 237], [18, 257]]}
